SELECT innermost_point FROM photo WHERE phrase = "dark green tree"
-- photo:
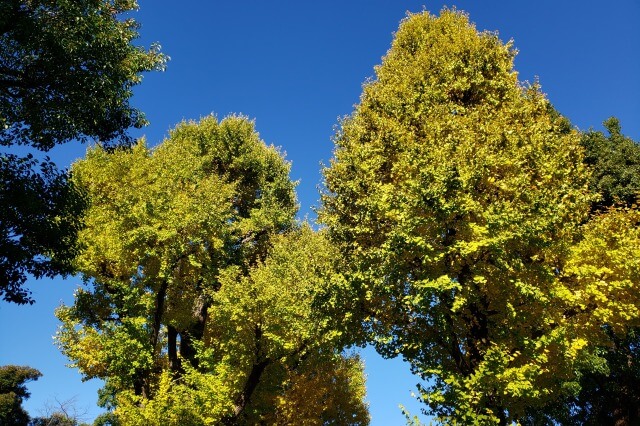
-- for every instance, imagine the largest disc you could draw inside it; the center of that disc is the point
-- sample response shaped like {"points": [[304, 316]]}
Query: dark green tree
{"points": [[612, 395], [56, 419], [67, 69], [615, 161], [38, 223], [106, 419], [13, 391]]}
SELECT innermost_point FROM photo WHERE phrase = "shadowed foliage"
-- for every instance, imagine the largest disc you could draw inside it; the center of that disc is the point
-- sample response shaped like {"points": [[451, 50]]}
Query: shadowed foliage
{"points": [[67, 69]]}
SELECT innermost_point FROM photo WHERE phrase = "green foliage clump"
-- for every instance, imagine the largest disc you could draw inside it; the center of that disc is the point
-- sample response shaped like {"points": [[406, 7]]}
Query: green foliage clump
{"points": [[615, 164], [610, 378], [39, 221], [13, 392], [67, 69]]}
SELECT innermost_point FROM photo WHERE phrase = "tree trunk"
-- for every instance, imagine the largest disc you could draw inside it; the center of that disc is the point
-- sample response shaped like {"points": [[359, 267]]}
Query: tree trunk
{"points": [[194, 333], [253, 380], [157, 316], [172, 350]]}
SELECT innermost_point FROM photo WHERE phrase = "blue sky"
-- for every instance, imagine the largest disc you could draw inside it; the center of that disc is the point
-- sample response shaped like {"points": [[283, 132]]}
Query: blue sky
{"points": [[296, 67]]}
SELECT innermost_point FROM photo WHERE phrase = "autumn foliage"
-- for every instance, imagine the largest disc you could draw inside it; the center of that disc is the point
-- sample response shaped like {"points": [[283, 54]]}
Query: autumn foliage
{"points": [[468, 228], [200, 289], [461, 200]]}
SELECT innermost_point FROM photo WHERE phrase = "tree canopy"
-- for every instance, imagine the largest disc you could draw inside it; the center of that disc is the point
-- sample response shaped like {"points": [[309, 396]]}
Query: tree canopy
{"points": [[199, 305], [67, 69], [39, 221], [470, 229], [615, 164], [609, 381], [459, 198], [13, 392]]}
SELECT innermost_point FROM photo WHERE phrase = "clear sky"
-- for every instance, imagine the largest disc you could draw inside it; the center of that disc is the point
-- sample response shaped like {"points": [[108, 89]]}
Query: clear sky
{"points": [[296, 67]]}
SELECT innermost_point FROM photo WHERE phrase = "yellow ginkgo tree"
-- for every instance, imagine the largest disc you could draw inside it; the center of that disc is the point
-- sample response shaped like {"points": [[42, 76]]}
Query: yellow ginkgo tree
{"points": [[604, 265], [200, 287], [458, 197]]}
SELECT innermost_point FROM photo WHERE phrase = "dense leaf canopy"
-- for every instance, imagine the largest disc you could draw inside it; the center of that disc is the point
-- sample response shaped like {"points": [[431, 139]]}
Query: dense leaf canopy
{"points": [[13, 392], [39, 222], [609, 382], [67, 69], [201, 287], [458, 196], [615, 161]]}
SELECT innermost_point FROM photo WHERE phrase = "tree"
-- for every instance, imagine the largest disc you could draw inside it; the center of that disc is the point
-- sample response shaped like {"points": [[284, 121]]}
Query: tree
{"points": [[608, 388], [269, 358], [458, 196], [200, 286], [13, 391], [38, 223], [615, 161], [60, 413], [67, 69], [55, 419]]}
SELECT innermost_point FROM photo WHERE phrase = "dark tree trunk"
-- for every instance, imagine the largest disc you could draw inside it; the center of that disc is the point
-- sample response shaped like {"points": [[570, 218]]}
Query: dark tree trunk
{"points": [[172, 350], [249, 388], [157, 316], [194, 333], [253, 380], [141, 385]]}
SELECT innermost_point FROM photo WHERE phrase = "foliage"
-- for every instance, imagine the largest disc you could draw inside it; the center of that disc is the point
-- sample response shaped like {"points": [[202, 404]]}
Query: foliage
{"points": [[60, 413], [38, 223], [106, 419], [13, 391], [56, 419], [458, 196], [608, 393], [610, 380], [615, 161], [199, 305], [67, 69], [264, 345]]}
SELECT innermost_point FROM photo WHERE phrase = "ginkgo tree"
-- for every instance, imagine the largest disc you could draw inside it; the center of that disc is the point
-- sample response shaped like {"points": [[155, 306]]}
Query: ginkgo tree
{"points": [[200, 287], [460, 200]]}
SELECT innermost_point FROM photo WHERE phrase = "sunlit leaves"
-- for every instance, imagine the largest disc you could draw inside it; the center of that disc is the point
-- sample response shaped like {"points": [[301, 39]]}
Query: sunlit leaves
{"points": [[458, 196], [202, 291]]}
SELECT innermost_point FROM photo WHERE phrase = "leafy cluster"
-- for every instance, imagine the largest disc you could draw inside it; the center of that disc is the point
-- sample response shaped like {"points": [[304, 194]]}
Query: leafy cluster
{"points": [[609, 379], [13, 392], [615, 165], [67, 69], [470, 229], [39, 222]]}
